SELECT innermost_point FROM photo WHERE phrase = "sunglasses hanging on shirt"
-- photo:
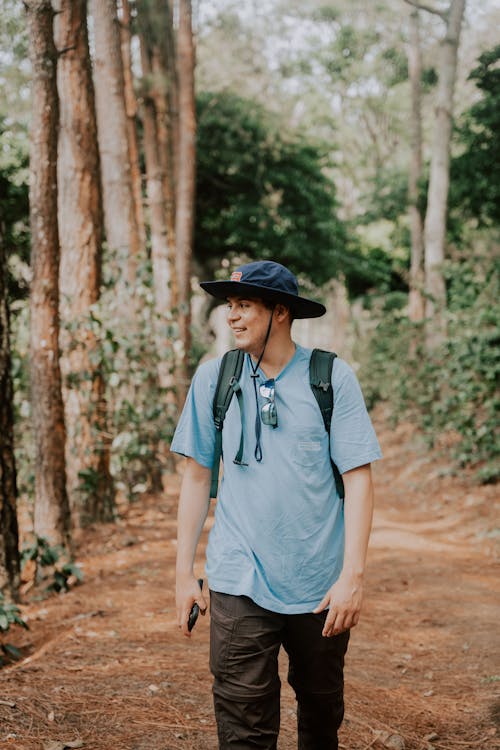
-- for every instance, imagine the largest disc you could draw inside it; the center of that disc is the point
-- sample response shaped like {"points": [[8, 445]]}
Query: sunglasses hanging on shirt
{"points": [[268, 412]]}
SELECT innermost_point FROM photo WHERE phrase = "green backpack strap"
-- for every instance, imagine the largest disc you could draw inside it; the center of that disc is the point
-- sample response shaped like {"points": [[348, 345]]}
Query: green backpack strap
{"points": [[227, 386], [320, 377]]}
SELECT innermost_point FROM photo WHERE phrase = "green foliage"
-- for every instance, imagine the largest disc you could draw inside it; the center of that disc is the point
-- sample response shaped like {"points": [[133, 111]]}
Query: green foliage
{"points": [[141, 415], [14, 210], [397, 65], [140, 418], [53, 557], [9, 615], [262, 193], [450, 392], [15, 67], [40, 552], [475, 174], [381, 257], [387, 197], [24, 446], [63, 576], [429, 78]]}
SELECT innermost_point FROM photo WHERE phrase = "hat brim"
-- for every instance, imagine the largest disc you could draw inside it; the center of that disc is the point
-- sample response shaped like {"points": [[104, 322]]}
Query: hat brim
{"points": [[301, 306]]}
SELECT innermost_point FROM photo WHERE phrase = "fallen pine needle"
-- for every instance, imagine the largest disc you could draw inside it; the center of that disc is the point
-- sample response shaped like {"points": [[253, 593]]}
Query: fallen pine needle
{"points": [[180, 727]]}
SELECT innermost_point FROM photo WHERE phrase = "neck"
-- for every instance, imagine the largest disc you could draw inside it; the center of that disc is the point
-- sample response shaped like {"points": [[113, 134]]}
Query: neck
{"points": [[276, 356]]}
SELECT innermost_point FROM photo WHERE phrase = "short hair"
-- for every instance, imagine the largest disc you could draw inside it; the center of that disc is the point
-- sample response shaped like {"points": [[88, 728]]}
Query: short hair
{"points": [[271, 305]]}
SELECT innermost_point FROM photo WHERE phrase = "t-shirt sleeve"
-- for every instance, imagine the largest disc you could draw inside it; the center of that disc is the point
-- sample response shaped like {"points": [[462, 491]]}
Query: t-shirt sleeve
{"points": [[353, 441], [195, 432]]}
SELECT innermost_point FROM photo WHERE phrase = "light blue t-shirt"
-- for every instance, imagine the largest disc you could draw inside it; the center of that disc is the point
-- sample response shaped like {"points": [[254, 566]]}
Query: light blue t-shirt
{"points": [[278, 535]]}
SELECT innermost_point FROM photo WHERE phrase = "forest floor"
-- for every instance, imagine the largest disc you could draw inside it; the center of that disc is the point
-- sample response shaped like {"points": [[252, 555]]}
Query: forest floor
{"points": [[104, 667]]}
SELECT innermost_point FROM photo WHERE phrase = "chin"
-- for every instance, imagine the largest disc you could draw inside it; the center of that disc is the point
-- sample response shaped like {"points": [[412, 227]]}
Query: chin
{"points": [[240, 345]]}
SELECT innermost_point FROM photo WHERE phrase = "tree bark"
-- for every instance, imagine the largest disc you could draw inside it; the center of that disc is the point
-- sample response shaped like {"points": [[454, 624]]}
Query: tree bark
{"points": [[437, 199], [155, 21], [9, 535], [89, 483], [122, 233], [185, 182], [160, 251], [164, 64], [131, 109], [52, 516], [416, 307], [167, 137]]}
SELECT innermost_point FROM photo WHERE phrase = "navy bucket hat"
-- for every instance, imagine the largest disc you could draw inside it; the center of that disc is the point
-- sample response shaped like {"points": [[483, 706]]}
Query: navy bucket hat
{"points": [[269, 281]]}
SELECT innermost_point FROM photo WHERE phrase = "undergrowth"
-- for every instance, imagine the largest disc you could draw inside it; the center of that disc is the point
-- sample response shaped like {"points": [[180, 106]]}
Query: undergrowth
{"points": [[451, 391]]}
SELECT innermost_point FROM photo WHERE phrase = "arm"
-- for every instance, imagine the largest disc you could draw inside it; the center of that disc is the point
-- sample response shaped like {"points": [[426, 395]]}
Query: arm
{"points": [[193, 508], [345, 596]]}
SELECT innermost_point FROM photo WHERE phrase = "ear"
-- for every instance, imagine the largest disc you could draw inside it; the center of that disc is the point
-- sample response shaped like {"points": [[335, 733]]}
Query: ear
{"points": [[281, 312]]}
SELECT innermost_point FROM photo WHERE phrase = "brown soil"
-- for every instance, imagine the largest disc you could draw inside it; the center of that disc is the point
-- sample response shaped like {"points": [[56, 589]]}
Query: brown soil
{"points": [[105, 664]]}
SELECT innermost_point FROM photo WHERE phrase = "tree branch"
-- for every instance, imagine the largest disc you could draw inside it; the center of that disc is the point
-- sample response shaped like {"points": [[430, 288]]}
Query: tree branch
{"points": [[428, 8]]}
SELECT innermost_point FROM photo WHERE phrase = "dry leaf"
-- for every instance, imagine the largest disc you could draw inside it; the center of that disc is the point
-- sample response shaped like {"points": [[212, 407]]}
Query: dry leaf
{"points": [[395, 742], [62, 745]]}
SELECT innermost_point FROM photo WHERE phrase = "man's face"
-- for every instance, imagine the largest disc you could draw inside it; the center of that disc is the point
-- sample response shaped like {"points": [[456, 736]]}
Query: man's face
{"points": [[248, 320]]}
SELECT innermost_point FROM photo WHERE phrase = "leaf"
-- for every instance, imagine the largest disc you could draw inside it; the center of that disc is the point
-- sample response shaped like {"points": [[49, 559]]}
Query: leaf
{"points": [[11, 650], [71, 569], [395, 742]]}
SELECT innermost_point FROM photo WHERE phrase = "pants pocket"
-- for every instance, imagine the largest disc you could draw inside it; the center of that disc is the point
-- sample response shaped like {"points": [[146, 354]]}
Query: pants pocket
{"points": [[244, 645]]}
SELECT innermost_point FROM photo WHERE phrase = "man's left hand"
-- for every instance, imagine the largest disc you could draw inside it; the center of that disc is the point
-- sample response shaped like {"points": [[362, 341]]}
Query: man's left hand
{"points": [[344, 601]]}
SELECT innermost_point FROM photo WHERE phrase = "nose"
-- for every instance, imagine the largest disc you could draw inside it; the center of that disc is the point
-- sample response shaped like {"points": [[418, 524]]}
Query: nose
{"points": [[232, 313]]}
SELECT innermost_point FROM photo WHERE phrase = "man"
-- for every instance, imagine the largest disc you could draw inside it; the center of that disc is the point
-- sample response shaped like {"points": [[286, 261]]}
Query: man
{"points": [[286, 556]]}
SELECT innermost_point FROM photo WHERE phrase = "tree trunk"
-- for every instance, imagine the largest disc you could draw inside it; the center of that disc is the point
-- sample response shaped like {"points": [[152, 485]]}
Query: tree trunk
{"points": [[9, 538], [437, 199], [167, 97], [52, 517], [89, 482], [155, 21], [122, 233], [185, 182], [166, 131], [416, 299], [158, 221], [131, 109]]}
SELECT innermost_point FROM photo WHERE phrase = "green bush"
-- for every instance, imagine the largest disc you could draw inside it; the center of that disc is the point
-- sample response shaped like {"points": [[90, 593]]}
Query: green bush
{"points": [[62, 571], [450, 392], [9, 615], [140, 416]]}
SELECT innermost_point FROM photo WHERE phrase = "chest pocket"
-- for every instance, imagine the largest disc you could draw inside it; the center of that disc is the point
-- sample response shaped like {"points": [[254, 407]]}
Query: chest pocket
{"points": [[309, 447]]}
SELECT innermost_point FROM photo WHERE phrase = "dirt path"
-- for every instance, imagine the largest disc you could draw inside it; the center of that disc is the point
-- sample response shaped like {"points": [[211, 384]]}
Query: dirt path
{"points": [[105, 665]]}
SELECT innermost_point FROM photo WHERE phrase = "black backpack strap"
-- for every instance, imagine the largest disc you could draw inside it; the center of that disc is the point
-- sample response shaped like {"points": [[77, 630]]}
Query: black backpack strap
{"points": [[227, 385], [320, 377]]}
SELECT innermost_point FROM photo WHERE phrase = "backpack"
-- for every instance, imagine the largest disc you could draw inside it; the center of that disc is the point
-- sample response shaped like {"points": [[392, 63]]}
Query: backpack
{"points": [[320, 380]]}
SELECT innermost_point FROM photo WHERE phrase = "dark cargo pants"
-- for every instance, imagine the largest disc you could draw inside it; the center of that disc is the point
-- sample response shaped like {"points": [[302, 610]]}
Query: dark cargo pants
{"points": [[245, 640]]}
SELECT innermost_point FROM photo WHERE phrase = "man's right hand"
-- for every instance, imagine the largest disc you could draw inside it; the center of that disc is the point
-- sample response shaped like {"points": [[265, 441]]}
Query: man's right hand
{"points": [[187, 593]]}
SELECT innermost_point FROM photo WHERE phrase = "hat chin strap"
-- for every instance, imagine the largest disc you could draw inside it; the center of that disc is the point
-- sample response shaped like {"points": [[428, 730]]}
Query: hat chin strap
{"points": [[254, 375], [268, 333]]}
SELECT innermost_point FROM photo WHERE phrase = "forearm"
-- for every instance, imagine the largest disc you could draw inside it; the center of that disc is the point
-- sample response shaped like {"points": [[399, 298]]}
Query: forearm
{"points": [[358, 513], [192, 512], [345, 597]]}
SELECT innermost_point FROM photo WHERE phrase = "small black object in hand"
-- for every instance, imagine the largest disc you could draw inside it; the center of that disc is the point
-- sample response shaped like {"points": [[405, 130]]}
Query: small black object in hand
{"points": [[195, 610]]}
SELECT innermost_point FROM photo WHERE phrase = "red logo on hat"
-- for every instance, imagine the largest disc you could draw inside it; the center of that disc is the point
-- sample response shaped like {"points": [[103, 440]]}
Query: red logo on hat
{"points": [[236, 275]]}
